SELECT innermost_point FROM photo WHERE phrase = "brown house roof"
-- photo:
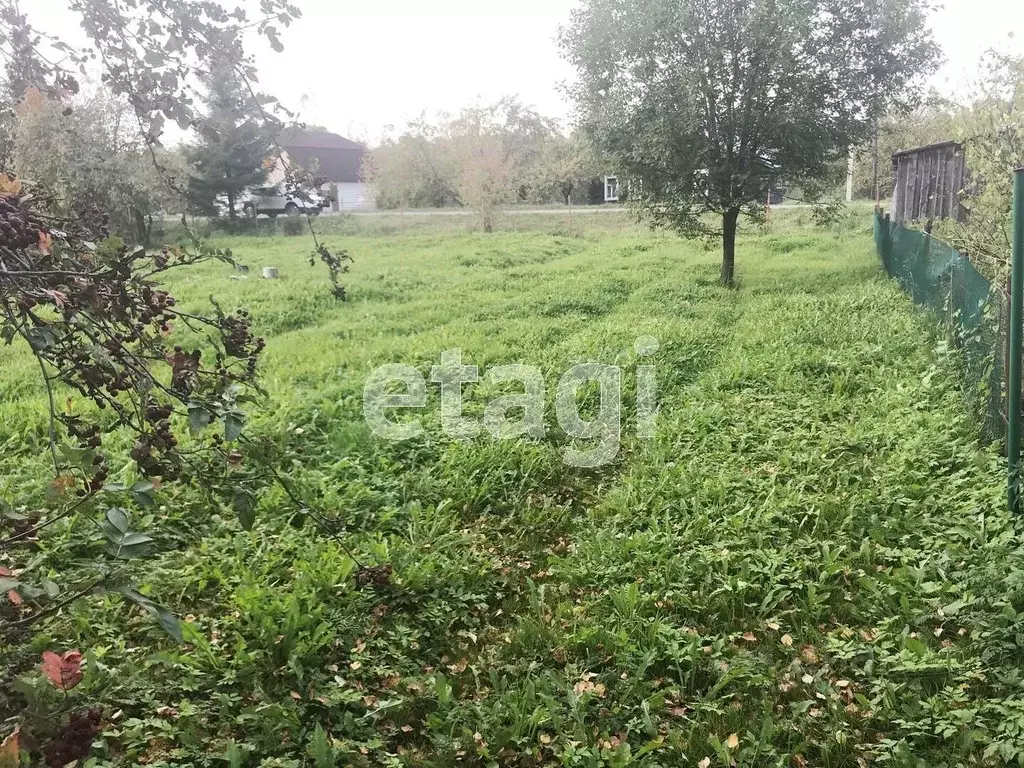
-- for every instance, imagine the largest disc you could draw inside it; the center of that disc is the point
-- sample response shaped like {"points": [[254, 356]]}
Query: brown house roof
{"points": [[334, 157]]}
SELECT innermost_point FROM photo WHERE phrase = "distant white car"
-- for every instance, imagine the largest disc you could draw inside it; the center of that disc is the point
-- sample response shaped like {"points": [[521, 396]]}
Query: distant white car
{"points": [[274, 201]]}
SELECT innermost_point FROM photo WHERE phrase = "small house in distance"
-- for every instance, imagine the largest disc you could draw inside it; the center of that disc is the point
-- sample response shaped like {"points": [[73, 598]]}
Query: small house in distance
{"points": [[611, 189], [335, 158]]}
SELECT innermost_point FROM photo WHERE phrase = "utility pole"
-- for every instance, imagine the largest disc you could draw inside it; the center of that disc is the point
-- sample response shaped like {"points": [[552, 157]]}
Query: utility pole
{"points": [[874, 160], [849, 177]]}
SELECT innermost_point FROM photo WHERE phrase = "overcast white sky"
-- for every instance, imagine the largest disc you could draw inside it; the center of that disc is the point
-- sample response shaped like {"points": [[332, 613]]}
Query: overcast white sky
{"points": [[357, 66]]}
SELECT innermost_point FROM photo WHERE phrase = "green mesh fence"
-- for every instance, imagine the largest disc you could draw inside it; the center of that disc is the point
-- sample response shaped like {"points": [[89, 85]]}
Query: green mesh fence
{"points": [[942, 279]]}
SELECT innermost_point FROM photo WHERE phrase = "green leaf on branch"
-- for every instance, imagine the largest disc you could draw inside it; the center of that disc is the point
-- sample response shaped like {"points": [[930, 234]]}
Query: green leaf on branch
{"points": [[77, 457], [244, 503], [234, 422], [166, 619], [108, 251], [118, 518], [142, 492], [124, 543], [198, 418], [40, 338]]}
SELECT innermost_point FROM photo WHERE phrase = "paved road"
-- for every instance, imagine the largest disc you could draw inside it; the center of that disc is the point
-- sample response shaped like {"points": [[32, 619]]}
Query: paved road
{"points": [[582, 210]]}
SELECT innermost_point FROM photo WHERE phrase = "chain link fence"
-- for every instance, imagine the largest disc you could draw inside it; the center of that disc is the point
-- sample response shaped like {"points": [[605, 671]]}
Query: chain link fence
{"points": [[970, 307]]}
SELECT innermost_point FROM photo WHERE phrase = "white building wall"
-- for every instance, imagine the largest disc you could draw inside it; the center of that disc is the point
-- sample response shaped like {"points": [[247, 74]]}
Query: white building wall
{"points": [[355, 196]]}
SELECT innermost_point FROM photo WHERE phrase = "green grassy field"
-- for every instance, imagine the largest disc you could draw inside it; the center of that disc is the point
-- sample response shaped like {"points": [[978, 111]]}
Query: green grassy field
{"points": [[809, 565]]}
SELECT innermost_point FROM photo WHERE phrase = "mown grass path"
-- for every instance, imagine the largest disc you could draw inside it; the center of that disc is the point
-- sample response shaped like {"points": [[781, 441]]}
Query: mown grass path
{"points": [[809, 565]]}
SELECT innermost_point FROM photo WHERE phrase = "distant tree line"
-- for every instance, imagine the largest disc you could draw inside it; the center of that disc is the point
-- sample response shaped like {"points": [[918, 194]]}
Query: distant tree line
{"points": [[483, 158]]}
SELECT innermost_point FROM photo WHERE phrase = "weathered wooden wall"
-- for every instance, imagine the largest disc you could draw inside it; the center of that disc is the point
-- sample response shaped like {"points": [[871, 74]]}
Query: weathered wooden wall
{"points": [[927, 183]]}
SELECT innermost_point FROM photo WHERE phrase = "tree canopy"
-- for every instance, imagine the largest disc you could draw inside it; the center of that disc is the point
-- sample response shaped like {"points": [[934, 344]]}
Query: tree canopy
{"points": [[89, 151], [705, 104]]}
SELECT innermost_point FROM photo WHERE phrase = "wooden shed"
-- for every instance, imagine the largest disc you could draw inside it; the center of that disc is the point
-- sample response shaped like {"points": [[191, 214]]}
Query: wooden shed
{"points": [[927, 182]]}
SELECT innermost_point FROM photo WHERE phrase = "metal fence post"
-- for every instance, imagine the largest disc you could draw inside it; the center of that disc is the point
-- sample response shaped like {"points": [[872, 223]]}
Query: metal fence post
{"points": [[1016, 333], [887, 243]]}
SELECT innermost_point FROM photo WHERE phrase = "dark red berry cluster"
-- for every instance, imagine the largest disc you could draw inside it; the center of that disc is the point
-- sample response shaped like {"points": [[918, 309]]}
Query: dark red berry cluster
{"points": [[91, 310], [88, 437], [156, 308], [238, 339], [153, 452], [75, 741], [17, 230], [376, 576]]}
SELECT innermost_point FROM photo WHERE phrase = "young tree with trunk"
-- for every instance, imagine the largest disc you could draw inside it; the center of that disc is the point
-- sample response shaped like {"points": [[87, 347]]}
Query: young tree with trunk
{"points": [[485, 179], [708, 103], [233, 147], [566, 165]]}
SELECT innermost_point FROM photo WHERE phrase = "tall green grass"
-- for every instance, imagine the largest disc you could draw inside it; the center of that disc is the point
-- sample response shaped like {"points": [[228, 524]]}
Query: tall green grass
{"points": [[810, 564]]}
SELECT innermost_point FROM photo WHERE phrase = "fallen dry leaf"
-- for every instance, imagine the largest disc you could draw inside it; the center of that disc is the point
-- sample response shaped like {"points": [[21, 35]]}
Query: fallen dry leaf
{"points": [[9, 749], [65, 671], [12, 594], [63, 483], [45, 243], [786, 640], [9, 187]]}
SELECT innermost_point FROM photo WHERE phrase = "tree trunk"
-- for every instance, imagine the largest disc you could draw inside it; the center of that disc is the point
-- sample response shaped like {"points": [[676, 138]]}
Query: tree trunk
{"points": [[729, 219], [143, 228]]}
